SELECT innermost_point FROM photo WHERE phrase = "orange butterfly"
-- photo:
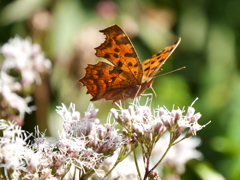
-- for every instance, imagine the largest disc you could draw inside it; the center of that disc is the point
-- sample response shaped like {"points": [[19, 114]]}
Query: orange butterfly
{"points": [[125, 76]]}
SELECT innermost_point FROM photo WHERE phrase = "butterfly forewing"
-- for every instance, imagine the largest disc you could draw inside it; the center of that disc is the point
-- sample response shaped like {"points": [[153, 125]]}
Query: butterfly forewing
{"points": [[119, 50], [152, 65]]}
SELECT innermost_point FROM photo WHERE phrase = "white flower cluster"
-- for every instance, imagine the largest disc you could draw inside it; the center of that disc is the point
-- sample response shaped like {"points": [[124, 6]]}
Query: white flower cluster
{"points": [[18, 159], [143, 128], [102, 138], [148, 127], [22, 66], [26, 58], [83, 144]]}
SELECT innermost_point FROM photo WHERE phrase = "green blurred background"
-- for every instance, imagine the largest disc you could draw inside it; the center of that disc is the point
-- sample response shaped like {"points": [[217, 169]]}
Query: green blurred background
{"points": [[68, 32]]}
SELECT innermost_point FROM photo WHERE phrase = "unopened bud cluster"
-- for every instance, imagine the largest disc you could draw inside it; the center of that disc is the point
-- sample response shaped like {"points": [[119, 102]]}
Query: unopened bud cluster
{"points": [[145, 126]]}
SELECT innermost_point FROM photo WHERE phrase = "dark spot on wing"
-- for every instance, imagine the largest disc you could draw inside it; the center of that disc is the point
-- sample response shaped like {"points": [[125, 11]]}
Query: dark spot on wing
{"points": [[116, 55], [119, 64], [147, 63], [130, 55], [100, 74], [122, 40], [130, 64], [147, 68], [117, 50], [108, 43], [116, 70], [113, 78], [106, 56], [152, 62], [161, 60]]}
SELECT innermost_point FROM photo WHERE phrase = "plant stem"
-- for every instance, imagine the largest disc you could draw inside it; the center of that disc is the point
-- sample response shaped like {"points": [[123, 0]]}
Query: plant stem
{"points": [[136, 164], [116, 163], [165, 153]]}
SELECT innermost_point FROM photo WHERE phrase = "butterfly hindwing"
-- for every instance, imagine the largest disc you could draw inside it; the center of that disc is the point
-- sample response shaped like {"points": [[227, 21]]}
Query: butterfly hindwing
{"points": [[106, 81]]}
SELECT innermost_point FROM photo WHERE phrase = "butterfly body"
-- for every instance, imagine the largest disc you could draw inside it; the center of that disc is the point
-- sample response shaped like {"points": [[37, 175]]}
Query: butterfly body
{"points": [[125, 76]]}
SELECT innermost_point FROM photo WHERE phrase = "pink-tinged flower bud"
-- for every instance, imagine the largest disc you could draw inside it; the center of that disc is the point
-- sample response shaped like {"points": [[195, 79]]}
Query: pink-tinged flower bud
{"points": [[196, 116], [148, 135], [159, 128], [162, 111], [179, 131], [93, 113], [126, 117], [190, 112], [76, 116], [138, 129], [131, 111], [166, 119], [114, 113], [178, 116]]}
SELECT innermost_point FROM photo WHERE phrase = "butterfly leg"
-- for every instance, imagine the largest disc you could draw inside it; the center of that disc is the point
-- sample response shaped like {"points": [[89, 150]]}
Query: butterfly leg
{"points": [[120, 102], [144, 95], [149, 99], [124, 98]]}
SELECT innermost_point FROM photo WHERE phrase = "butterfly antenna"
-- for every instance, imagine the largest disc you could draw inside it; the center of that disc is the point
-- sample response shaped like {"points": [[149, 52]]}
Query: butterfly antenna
{"points": [[171, 71]]}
